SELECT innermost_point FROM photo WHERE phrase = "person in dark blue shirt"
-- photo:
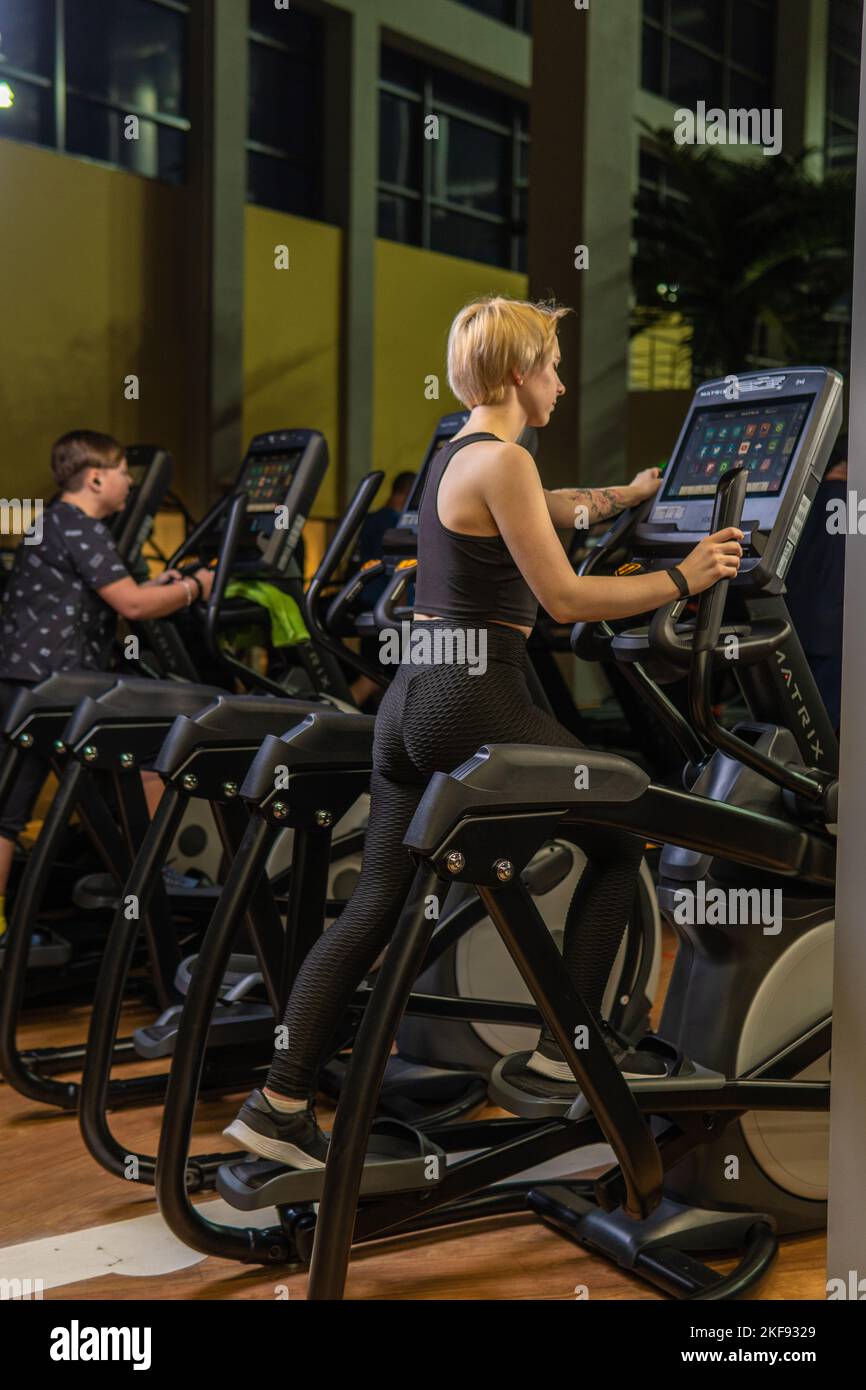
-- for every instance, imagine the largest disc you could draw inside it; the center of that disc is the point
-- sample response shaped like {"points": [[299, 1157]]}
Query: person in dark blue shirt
{"points": [[816, 583], [377, 523]]}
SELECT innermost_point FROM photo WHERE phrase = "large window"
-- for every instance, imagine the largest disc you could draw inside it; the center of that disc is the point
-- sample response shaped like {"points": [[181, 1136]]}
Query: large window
{"points": [[720, 53], [74, 71], [285, 144], [843, 82], [465, 192], [516, 13]]}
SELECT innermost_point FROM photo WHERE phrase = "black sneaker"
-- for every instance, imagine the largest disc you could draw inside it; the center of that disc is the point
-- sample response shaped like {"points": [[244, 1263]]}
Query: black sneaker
{"points": [[293, 1140]]}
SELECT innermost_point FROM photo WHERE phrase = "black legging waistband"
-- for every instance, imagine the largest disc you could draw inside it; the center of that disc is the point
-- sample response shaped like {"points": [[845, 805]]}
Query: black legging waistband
{"points": [[504, 644]]}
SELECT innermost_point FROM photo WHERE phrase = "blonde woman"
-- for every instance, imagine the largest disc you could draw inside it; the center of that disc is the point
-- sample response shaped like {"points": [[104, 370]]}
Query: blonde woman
{"points": [[488, 555]]}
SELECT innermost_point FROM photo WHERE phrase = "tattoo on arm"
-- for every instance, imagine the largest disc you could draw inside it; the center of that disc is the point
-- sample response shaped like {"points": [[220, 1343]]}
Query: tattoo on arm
{"points": [[592, 504]]}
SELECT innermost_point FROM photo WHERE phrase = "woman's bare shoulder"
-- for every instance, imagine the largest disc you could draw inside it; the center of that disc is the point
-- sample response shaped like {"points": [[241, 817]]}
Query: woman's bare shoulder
{"points": [[499, 453]]}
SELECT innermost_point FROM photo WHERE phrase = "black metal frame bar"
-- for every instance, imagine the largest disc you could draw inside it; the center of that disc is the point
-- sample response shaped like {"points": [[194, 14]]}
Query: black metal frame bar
{"points": [[78, 789], [97, 1090]]}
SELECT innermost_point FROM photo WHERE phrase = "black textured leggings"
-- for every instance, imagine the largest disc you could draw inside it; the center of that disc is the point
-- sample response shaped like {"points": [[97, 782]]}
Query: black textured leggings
{"points": [[431, 719]]}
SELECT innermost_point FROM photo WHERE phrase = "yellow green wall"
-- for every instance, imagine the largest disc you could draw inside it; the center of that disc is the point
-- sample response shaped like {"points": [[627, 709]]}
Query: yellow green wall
{"points": [[292, 333], [654, 421], [90, 291], [292, 338], [417, 295]]}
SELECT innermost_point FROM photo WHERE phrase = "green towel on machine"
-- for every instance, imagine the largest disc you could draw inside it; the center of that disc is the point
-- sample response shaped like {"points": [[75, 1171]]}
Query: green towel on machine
{"points": [[288, 628]]}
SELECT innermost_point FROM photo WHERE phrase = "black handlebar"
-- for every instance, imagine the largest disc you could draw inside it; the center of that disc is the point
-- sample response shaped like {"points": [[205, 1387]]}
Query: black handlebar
{"points": [[234, 524], [137, 521], [334, 555], [728, 511], [385, 613]]}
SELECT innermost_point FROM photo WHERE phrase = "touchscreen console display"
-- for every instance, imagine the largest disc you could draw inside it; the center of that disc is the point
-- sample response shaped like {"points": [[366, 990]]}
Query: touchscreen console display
{"points": [[267, 480], [762, 438]]}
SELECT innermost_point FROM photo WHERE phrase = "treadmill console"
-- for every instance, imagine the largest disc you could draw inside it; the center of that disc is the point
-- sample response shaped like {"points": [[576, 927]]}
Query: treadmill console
{"points": [[281, 474], [779, 426]]}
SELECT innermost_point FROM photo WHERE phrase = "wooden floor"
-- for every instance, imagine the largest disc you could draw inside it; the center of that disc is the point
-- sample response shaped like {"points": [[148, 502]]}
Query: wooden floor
{"points": [[51, 1187]]}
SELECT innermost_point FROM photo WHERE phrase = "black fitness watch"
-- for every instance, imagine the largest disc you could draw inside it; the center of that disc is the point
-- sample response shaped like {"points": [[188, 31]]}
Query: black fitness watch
{"points": [[680, 580]]}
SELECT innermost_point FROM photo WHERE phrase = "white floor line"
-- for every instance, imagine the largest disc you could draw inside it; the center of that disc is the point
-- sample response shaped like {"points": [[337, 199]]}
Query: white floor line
{"points": [[137, 1248], [145, 1246]]}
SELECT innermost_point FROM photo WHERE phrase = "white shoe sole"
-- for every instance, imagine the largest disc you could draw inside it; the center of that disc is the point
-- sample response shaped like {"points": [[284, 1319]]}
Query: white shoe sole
{"points": [[276, 1149], [552, 1070]]}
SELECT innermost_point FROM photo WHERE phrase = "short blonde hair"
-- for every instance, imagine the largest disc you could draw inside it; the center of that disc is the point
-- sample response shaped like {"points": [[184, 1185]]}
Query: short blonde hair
{"points": [[493, 337]]}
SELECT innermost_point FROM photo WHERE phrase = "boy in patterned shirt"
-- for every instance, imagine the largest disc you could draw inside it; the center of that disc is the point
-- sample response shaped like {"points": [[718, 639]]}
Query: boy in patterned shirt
{"points": [[64, 595]]}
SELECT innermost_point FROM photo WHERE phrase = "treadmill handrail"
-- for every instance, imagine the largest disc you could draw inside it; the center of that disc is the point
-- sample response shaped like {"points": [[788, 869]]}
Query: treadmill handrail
{"points": [[728, 511], [236, 515], [188, 547], [144, 504], [601, 634], [384, 609], [339, 547]]}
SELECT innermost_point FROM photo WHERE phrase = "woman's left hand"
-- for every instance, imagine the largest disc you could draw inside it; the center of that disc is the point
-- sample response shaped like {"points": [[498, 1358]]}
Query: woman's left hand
{"points": [[645, 485]]}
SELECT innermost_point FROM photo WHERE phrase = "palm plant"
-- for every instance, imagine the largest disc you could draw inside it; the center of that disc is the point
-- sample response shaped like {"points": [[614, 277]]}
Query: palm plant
{"points": [[751, 254]]}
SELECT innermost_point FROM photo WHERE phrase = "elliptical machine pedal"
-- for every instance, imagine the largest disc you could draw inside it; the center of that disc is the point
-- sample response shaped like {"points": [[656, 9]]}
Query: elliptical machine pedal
{"points": [[414, 1093], [399, 1159], [531, 1097]]}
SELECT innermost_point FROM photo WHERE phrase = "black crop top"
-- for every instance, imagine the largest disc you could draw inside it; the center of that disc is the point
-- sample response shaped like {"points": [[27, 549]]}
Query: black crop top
{"points": [[470, 578]]}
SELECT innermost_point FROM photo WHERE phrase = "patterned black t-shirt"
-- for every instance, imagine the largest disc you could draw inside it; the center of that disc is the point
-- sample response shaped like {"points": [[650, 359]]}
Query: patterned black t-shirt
{"points": [[53, 619]]}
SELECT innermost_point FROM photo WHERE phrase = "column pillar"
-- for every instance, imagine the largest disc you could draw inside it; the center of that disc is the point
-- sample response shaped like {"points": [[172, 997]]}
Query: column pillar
{"points": [[215, 247], [846, 1251], [586, 70]]}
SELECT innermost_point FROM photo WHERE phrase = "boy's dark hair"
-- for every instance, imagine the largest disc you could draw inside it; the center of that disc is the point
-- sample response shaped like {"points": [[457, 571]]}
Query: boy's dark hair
{"points": [[403, 482], [79, 450]]}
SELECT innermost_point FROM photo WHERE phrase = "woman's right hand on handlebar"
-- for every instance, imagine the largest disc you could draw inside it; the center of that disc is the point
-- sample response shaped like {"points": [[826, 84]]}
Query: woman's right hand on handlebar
{"points": [[715, 557]]}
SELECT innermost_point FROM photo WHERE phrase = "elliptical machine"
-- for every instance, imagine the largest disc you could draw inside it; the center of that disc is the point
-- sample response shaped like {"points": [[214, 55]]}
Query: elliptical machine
{"points": [[725, 1152]]}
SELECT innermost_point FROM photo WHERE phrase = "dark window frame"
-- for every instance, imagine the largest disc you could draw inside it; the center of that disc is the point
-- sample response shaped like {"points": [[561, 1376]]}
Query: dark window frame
{"points": [[516, 131], [63, 89], [283, 155], [730, 67], [845, 159]]}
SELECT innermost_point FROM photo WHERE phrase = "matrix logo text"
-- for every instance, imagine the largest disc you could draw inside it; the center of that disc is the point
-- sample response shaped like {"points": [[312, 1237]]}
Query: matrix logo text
{"points": [[77, 1343], [22, 517]]}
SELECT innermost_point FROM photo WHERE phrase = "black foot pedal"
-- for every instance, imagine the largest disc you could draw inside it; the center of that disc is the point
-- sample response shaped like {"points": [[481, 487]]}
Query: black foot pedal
{"points": [[399, 1159], [416, 1094]]}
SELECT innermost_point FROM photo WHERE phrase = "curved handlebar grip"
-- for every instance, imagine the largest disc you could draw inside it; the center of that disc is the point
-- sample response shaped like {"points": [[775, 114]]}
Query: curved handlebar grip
{"points": [[664, 638], [346, 530], [383, 610], [237, 510], [728, 511], [338, 548], [730, 499], [340, 606]]}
